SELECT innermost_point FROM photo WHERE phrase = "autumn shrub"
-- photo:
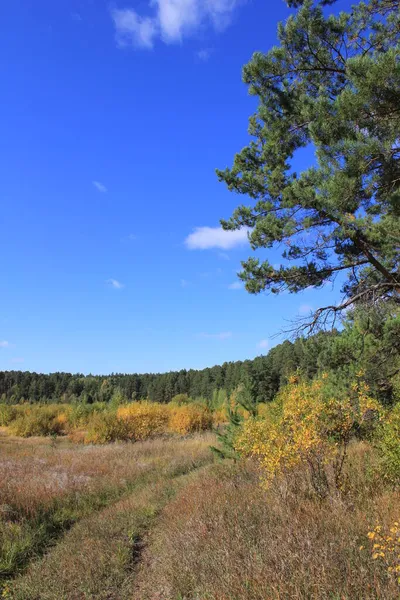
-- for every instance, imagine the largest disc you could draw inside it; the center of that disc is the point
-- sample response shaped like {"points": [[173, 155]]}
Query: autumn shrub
{"points": [[305, 425], [189, 418], [220, 416], [144, 419], [106, 427], [39, 421], [7, 414]]}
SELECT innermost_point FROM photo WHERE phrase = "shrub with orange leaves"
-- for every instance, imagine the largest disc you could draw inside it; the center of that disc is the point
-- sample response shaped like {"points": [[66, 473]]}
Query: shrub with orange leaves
{"points": [[144, 419], [305, 425], [190, 418]]}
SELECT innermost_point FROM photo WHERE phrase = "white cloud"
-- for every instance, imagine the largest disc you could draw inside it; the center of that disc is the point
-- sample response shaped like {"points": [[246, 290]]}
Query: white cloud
{"points": [[223, 255], [17, 360], [133, 30], [115, 284], [263, 344], [203, 238], [305, 309], [236, 285], [184, 283], [4, 344], [171, 20], [100, 187], [204, 54], [224, 335]]}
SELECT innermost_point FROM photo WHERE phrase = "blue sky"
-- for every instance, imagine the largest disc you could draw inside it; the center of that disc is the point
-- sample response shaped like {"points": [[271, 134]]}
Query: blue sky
{"points": [[115, 117]]}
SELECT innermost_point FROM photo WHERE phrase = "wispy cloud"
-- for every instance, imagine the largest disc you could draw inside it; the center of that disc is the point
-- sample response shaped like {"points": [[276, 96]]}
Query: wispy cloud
{"points": [[4, 344], [129, 238], [115, 284], [204, 54], [224, 335], [236, 285], [204, 238], [305, 309], [184, 283], [100, 187], [263, 344], [17, 360], [170, 21]]}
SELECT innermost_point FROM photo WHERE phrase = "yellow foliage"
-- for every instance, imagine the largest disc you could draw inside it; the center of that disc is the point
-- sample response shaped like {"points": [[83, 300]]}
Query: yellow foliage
{"points": [[104, 428], [189, 418], [104, 422], [220, 416], [303, 425], [37, 420], [386, 547], [144, 419]]}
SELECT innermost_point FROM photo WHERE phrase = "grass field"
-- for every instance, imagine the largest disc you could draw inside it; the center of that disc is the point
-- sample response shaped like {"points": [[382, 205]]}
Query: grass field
{"points": [[160, 520], [88, 503]]}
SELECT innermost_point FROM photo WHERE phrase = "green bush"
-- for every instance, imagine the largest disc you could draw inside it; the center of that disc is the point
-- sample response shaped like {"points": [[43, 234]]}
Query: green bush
{"points": [[7, 414], [81, 413], [37, 421], [388, 443], [106, 427], [180, 399]]}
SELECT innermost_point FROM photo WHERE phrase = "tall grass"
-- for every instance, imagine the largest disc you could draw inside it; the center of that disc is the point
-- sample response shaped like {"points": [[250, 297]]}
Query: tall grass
{"points": [[46, 488], [98, 556], [225, 538]]}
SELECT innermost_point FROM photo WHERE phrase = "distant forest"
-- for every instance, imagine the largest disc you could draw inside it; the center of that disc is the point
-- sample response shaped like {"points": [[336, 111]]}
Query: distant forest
{"points": [[369, 343], [265, 374]]}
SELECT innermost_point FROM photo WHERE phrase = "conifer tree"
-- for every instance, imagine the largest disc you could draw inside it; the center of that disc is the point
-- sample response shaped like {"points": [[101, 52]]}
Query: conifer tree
{"points": [[331, 85]]}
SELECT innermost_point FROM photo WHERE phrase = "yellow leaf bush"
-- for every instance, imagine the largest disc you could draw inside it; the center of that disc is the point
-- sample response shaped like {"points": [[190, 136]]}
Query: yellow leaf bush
{"points": [[39, 420], [106, 427], [189, 418], [144, 419], [304, 425]]}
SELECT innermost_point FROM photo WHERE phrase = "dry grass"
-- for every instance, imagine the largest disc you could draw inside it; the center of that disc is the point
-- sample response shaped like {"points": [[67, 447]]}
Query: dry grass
{"points": [[163, 532], [45, 487], [223, 538]]}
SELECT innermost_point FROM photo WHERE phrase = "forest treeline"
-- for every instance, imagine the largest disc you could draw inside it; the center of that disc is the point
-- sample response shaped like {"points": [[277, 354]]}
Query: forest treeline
{"points": [[370, 340]]}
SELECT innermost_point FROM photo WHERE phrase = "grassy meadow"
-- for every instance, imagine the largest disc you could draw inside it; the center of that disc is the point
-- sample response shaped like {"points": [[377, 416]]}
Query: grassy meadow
{"points": [[129, 501]]}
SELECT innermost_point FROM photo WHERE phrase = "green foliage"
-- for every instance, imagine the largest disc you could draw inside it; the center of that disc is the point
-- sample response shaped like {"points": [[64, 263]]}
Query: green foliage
{"points": [[332, 83], [106, 427], [180, 399], [37, 421], [227, 435], [243, 398], [388, 443], [7, 414]]}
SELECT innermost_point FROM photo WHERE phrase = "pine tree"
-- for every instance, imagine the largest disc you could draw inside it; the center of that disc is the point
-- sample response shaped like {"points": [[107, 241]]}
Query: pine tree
{"points": [[332, 84]]}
